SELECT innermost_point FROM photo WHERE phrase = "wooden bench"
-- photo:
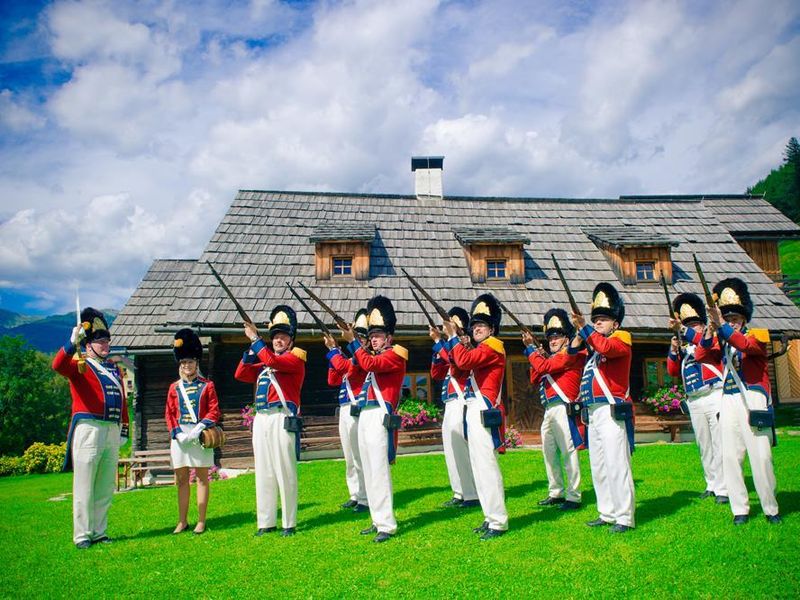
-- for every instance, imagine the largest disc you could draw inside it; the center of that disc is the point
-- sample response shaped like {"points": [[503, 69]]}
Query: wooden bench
{"points": [[142, 461]]}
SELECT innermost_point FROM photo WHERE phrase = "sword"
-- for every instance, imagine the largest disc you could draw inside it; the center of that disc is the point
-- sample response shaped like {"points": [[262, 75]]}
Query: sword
{"points": [[314, 316], [81, 360], [340, 322], [242, 313]]}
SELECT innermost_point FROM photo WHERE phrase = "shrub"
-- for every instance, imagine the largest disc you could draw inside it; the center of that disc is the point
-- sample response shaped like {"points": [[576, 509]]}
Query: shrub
{"points": [[666, 399], [416, 412], [513, 438], [44, 458], [248, 416], [11, 465]]}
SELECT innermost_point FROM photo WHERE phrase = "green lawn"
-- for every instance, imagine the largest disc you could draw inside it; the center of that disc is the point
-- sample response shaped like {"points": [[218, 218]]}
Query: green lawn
{"points": [[789, 252], [682, 547]]}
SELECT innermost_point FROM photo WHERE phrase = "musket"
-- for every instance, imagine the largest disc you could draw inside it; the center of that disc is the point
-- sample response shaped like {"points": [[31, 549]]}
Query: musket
{"points": [[424, 310], [340, 322], [670, 309], [436, 306], [314, 316], [787, 335], [242, 313], [572, 304], [710, 300], [81, 360]]}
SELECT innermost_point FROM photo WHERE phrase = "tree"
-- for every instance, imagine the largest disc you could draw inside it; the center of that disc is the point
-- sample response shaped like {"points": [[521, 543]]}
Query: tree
{"points": [[34, 399], [792, 152], [781, 187]]}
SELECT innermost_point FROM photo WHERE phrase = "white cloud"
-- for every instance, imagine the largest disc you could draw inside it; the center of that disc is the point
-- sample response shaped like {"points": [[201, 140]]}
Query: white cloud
{"points": [[16, 116]]}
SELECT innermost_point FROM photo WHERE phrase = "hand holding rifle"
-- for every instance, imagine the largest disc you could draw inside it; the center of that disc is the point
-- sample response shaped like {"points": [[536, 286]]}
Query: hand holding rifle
{"points": [[435, 334], [330, 342]]}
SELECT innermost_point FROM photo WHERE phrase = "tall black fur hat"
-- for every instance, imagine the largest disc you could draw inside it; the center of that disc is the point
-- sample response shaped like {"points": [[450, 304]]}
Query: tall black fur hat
{"points": [[283, 319], [94, 325], [380, 315], [459, 316], [361, 323], [607, 302], [556, 322], [485, 309], [187, 345], [734, 298], [689, 308]]}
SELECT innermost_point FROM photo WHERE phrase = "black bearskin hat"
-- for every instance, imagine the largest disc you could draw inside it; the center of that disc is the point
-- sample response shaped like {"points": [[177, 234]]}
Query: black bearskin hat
{"points": [[485, 309], [187, 345], [380, 315], [689, 308], [607, 302], [361, 324], [282, 319], [459, 317], [734, 298], [556, 322], [94, 325]]}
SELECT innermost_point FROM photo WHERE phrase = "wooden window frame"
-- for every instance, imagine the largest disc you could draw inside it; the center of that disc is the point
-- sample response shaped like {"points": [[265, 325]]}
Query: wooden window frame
{"points": [[662, 376], [413, 376], [349, 267], [653, 267], [498, 261]]}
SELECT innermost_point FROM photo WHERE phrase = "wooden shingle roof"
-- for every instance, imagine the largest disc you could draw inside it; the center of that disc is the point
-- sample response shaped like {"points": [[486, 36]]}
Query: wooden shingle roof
{"points": [[489, 235], [354, 231], [263, 241], [624, 236], [147, 307]]}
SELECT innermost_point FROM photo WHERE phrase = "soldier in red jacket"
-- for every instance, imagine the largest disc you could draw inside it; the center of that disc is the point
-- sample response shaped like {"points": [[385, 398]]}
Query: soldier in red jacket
{"points": [[99, 425], [347, 374], [192, 406], [607, 407], [486, 365], [278, 372], [377, 422], [702, 383], [557, 377], [454, 385], [746, 415]]}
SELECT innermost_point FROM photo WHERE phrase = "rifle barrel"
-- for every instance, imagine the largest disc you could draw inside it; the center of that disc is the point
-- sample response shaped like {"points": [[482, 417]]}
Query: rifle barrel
{"points": [[242, 313], [340, 322], [314, 316], [437, 307], [572, 304], [424, 310]]}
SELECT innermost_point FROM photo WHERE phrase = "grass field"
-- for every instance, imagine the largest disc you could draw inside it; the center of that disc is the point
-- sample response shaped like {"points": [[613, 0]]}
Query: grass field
{"points": [[789, 252], [682, 547]]}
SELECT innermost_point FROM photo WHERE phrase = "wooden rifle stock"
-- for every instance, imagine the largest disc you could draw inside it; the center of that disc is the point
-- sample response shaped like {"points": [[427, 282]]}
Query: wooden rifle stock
{"points": [[307, 308], [340, 322], [242, 313], [572, 304]]}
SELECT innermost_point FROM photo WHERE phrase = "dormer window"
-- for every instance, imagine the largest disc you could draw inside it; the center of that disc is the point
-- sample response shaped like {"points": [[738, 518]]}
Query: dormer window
{"points": [[342, 250], [637, 255], [493, 253]]}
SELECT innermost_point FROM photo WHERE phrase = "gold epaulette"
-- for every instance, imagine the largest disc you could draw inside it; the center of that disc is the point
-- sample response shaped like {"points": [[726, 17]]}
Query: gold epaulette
{"points": [[495, 344], [400, 351], [762, 335], [623, 336], [299, 353]]}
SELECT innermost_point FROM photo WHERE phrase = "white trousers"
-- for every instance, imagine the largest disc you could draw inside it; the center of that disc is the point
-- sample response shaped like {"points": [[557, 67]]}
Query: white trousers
{"points": [[610, 459], [485, 468], [354, 472], [95, 454], [276, 470], [373, 443], [703, 411], [737, 438], [456, 451], [557, 445]]}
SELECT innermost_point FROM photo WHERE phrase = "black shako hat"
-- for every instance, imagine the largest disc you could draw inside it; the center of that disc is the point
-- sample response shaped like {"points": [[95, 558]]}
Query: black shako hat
{"points": [[282, 319], [556, 322], [94, 325], [380, 315], [187, 345], [485, 309], [689, 308], [607, 302], [734, 298], [459, 317]]}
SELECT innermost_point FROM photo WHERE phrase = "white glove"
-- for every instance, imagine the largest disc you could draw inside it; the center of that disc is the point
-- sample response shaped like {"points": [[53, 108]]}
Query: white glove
{"points": [[195, 433], [77, 335], [181, 437]]}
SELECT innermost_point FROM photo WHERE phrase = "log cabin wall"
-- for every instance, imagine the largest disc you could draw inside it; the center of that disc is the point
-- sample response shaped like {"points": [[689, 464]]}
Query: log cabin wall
{"points": [[765, 254]]}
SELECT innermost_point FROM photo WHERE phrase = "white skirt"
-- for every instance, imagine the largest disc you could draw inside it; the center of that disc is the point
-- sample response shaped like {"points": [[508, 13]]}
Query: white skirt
{"points": [[190, 454]]}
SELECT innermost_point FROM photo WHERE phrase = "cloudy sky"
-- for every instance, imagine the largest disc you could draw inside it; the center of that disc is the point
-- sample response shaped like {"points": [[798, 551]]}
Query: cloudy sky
{"points": [[127, 127]]}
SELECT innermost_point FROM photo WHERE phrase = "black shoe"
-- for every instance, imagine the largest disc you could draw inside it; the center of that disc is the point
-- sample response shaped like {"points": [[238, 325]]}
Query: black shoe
{"points": [[550, 501], [359, 508], [706, 494], [722, 500], [452, 502], [263, 530], [83, 545], [491, 534], [288, 532], [483, 528], [619, 528], [570, 505], [103, 539], [369, 530], [381, 537], [740, 519], [774, 519], [598, 523], [349, 504], [469, 504]]}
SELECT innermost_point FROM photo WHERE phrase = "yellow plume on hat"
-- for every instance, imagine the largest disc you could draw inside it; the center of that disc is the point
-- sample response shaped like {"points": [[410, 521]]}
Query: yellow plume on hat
{"points": [[178, 343]]}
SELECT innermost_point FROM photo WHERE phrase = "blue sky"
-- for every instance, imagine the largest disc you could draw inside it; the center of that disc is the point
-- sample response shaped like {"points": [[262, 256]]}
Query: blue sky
{"points": [[127, 127]]}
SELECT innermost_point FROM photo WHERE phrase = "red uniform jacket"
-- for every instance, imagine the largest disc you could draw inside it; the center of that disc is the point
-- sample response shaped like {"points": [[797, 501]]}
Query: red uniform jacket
{"points": [[208, 412], [89, 397], [750, 351], [488, 363], [289, 367], [341, 366], [565, 369], [443, 368], [389, 368], [613, 363]]}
